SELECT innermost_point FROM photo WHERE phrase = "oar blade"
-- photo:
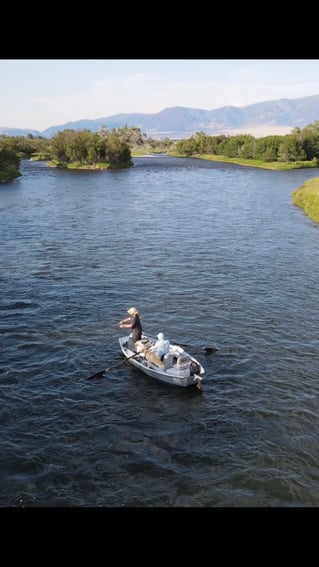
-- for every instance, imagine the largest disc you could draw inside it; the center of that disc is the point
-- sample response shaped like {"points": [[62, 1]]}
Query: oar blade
{"points": [[97, 374], [209, 350]]}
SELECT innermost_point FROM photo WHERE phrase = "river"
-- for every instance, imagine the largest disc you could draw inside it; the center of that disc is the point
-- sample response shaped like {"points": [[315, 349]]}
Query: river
{"points": [[212, 254]]}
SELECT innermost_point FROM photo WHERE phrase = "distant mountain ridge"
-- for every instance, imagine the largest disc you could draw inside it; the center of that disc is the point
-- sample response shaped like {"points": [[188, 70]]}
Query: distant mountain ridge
{"points": [[259, 119]]}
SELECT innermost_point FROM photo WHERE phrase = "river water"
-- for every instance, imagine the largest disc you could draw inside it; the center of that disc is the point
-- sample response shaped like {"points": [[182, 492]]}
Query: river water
{"points": [[212, 255]]}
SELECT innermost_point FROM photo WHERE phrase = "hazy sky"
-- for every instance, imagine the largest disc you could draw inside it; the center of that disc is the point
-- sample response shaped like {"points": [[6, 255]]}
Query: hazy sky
{"points": [[37, 94]]}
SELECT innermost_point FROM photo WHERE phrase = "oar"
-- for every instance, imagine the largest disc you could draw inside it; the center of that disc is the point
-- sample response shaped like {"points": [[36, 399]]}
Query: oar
{"points": [[207, 349], [101, 372]]}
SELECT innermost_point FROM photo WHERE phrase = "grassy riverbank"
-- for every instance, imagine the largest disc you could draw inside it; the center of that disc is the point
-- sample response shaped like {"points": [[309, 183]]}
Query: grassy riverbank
{"points": [[274, 165], [86, 167], [307, 198]]}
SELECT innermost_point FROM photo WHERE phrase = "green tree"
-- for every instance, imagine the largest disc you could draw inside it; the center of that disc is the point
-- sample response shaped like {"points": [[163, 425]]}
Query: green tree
{"points": [[59, 147], [310, 140], [291, 149], [117, 151], [267, 148], [9, 162]]}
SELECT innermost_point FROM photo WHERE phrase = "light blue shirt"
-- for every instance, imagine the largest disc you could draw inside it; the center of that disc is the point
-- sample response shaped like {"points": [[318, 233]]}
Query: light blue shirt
{"points": [[161, 347]]}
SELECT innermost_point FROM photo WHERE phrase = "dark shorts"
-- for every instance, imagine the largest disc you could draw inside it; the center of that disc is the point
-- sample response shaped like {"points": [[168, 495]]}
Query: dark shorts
{"points": [[136, 335]]}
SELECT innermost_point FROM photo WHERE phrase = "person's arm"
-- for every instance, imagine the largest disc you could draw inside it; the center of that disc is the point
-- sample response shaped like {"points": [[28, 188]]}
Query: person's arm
{"points": [[124, 324], [155, 347]]}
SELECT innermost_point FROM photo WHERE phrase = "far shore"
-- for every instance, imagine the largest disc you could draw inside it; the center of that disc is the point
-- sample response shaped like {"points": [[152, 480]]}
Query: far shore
{"points": [[273, 165]]}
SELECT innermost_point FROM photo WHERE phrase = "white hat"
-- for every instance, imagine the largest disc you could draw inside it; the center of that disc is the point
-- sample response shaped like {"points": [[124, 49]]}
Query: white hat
{"points": [[160, 336]]}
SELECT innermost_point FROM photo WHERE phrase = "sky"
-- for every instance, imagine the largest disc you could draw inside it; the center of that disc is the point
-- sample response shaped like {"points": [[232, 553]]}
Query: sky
{"points": [[39, 93]]}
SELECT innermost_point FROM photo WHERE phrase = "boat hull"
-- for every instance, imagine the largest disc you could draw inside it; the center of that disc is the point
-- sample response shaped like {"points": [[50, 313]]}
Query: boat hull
{"points": [[184, 370]]}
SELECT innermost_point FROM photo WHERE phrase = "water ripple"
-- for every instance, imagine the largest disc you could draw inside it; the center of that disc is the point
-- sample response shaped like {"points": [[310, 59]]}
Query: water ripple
{"points": [[213, 255]]}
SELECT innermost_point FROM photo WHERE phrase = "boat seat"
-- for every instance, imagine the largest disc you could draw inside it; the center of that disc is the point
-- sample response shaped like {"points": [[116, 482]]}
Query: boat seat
{"points": [[168, 360], [182, 362]]}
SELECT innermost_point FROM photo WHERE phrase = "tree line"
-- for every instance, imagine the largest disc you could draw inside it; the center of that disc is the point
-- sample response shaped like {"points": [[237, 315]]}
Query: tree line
{"points": [[299, 145], [113, 147], [79, 147]]}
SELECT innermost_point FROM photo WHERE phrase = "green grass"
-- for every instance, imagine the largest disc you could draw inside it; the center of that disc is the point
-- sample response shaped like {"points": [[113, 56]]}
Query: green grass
{"points": [[275, 165], [96, 166], [78, 165], [40, 157], [138, 151], [307, 198]]}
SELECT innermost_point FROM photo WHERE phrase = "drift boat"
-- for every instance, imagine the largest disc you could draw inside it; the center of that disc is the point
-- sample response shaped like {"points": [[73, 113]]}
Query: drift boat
{"points": [[177, 367]]}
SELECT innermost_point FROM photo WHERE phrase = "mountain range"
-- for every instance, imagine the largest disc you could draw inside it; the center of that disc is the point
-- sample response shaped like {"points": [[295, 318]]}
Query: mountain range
{"points": [[259, 119]]}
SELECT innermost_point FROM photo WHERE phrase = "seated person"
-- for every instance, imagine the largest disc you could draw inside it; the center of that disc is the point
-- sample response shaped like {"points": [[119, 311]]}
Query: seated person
{"points": [[157, 352]]}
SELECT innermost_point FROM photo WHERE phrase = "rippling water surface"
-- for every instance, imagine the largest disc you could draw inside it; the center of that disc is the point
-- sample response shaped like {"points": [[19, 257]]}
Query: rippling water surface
{"points": [[211, 254]]}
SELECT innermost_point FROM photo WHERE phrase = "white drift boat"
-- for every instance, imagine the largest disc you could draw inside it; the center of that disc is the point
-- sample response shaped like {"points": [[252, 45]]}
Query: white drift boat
{"points": [[178, 367]]}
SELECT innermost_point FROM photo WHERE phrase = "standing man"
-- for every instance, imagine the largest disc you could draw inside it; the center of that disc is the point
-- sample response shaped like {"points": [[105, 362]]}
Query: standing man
{"points": [[132, 322]]}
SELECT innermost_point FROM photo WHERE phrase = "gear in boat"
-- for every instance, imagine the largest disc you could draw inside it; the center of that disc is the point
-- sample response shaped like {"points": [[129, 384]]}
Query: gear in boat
{"points": [[177, 366]]}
